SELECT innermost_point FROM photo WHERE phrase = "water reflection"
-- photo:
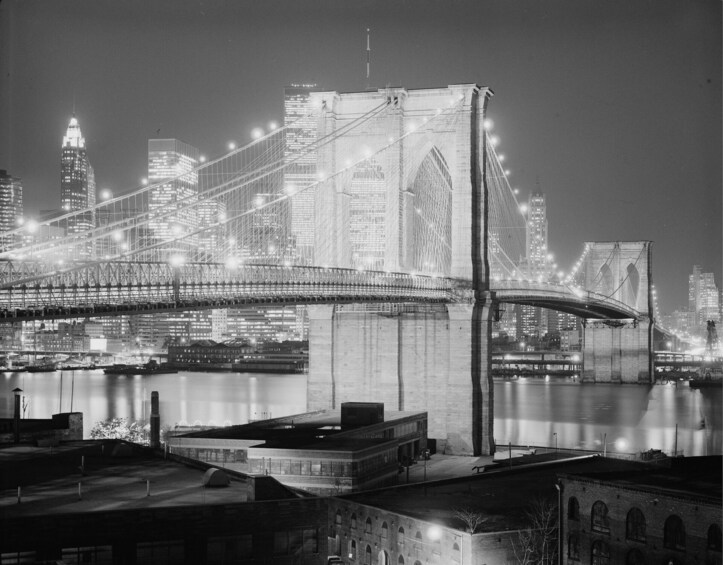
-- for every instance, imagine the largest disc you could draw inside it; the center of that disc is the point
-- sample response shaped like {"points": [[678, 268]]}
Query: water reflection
{"points": [[623, 417], [528, 411]]}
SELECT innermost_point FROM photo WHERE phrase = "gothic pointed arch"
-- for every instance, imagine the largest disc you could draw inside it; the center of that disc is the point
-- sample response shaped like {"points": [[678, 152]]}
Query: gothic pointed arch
{"points": [[606, 280], [427, 205], [632, 286]]}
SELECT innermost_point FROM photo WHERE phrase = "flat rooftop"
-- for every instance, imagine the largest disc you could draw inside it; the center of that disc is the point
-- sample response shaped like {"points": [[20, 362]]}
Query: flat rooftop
{"points": [[310, 430], [695, 477], [50, 486], [502, 496]]}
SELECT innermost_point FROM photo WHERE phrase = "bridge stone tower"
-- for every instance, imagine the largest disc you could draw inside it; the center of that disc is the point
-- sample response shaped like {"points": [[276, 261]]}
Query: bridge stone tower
{"points": [[620, 351], [430, 358]]}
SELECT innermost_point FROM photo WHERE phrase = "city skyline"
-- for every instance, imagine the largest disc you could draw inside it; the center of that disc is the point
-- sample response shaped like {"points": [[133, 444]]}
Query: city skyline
{"points": [[653, 114]]}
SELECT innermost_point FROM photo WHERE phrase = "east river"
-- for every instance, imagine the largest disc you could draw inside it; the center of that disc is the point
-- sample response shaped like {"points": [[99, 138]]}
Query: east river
{"points": [[627, 418]]}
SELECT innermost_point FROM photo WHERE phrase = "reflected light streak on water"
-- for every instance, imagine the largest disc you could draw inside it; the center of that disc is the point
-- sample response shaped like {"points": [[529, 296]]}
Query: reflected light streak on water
{"points": [[527, 411]]}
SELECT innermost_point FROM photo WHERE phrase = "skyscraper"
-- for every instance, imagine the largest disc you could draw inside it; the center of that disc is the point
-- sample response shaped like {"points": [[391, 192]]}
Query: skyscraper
{"points": [[174, 186], [301, 130], [77, 179], [531, 320], [11, 206], [702, 299], [537, 262], [367, 211]]}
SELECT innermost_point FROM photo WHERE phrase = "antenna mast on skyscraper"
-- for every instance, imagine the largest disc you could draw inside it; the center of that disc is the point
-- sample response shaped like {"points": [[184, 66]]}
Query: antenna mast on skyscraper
{"points": [[368, 59]]}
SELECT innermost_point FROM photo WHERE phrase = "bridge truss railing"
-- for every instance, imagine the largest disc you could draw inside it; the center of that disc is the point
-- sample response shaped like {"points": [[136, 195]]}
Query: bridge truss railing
{"points": [[115, 288]]}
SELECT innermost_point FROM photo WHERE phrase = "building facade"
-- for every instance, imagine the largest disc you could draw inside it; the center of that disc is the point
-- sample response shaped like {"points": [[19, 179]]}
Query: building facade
{"points": [[77, 179], [703, 300], [670, 516], [173, 178], [11, 207], [300, 173]]}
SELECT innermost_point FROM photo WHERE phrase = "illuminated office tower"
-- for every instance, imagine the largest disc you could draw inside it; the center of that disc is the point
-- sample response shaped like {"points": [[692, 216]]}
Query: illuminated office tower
{"points": [[703, 299], [11, 207], [211, 241], [301, 130], [174, 188], [537, 263], [367, 216], [77, 179]]}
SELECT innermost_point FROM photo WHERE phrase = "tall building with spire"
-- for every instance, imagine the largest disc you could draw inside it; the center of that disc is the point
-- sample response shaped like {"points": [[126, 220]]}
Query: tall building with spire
{"points": [[11, 206], [77, 179]]}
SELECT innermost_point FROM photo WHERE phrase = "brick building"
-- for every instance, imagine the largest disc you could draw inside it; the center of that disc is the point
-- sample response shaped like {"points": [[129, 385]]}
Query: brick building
{"points": [[669, 515]]}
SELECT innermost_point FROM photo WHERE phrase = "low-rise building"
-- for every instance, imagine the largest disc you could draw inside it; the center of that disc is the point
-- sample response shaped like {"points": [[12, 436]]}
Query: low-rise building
{"points": [[316, 451], [111, 502], [667, 514]]}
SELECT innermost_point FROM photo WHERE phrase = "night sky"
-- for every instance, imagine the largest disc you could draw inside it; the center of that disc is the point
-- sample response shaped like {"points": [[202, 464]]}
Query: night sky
{"points": [[613, 107]]}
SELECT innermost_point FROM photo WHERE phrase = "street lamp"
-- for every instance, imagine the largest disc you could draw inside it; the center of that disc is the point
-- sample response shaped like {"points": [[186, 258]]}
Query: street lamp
{"points": [[555, 434], [16, 415]]}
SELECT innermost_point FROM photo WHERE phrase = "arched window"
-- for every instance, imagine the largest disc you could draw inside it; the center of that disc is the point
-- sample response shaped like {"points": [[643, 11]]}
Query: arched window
{"points": [[600, 521], [573, 509], [353, 521], [714, 537], [600, 553], [632, 285], [400, 560], [635, 557], [383, 558], [417, 563], [418, 536], [573, 547], [400, 536], [352, 550], [635, 525], [368, 526], [456, 554], [337, 518], [368, 555], [385, 530], [605, 284], [674, 533]]}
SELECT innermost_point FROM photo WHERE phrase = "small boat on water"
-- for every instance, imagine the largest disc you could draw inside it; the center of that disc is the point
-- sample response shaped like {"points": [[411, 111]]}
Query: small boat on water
{"points": [[41, 368], [150, 368], [703, 383], [711, 378]]}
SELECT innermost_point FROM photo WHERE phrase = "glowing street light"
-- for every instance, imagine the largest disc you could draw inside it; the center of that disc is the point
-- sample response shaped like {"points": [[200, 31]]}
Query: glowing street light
{"points": [[257, 133], [106, 194], [144, 181], [273, 126], [488, 124], [177, 260], [231, 145]]}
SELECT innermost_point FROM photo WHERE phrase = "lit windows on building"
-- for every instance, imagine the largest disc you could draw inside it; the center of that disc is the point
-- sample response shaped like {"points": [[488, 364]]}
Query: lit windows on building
{"points": [[77, 179], [367, 215], [174, 188], [301, 130], [11, 207]]}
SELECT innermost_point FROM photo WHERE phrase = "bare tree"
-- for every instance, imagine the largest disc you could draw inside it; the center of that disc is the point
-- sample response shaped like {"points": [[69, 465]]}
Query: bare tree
{"points": [[473, 519], [537, 544]]}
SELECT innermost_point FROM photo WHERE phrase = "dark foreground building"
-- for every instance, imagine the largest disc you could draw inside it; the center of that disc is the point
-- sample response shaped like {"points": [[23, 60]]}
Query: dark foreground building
{"points": [[115, 503], [669, 515]]}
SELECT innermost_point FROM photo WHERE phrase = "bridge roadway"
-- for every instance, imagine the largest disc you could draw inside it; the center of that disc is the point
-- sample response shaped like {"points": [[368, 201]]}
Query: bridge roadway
{"points": [[30, 292]]}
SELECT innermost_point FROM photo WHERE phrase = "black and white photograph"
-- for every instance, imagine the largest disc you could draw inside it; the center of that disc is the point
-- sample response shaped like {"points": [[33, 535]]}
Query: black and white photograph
{"points": [[374, 282]]}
